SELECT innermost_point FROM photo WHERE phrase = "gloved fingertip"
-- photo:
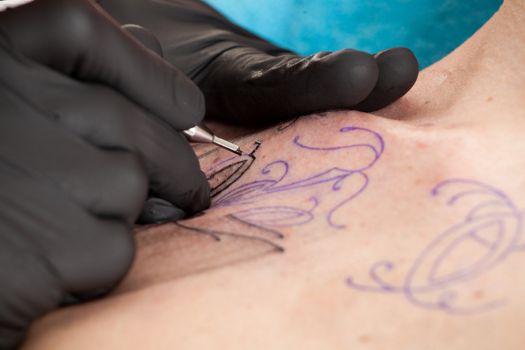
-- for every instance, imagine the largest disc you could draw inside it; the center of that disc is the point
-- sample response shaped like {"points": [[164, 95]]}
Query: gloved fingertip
{"points": [[202, 198], [157, 210], [76, 298], [145, 37], [398, 72], [196, 198], [353, 75], [401, 58]]}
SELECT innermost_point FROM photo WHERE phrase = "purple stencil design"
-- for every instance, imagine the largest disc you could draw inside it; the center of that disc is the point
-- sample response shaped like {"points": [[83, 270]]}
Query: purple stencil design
{"points": [[274, 178], [363, 146], [492, 225], [278, 216]]}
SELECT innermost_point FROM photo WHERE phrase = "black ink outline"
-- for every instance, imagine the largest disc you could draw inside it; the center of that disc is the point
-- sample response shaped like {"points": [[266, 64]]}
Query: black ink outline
{"points": [[242, 166], [283, 126], [276, 233], [216, 234]]}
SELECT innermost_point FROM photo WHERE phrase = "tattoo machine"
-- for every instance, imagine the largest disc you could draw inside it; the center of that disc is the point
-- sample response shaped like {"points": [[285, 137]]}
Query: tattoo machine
{"points": [[202, 134]]}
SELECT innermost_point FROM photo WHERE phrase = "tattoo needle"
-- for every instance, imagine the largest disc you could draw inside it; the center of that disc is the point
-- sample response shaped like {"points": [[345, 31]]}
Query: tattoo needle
{"points": [[202, 134]]}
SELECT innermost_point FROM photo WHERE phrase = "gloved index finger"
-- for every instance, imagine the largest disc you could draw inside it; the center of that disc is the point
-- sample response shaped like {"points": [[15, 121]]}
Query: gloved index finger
{"points": [[81, 40]]}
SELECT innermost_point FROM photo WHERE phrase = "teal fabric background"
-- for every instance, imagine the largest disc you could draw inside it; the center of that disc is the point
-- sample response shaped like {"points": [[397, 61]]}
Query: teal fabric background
{"points": [[431, 28]]}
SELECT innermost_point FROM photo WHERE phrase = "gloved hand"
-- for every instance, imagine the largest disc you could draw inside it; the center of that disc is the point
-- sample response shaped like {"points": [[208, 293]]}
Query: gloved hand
{"points": [[87, 126], [247, 80]]}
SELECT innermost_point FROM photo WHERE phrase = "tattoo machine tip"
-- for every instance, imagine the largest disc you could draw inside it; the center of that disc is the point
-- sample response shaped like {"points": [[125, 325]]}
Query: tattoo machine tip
{"points": [[227, 145], [202, 134]]}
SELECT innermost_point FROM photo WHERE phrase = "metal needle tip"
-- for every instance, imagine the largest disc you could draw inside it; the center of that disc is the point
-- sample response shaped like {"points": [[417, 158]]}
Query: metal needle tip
{"points": [[204, 135], [227, 145]]}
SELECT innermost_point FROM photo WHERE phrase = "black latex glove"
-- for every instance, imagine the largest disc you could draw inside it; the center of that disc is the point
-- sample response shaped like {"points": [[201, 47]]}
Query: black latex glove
{"points": [[87, 127], [250, 81]]}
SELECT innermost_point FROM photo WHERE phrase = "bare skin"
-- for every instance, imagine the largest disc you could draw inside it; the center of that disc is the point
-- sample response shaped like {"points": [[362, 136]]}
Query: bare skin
{"points": [[280, 278]]}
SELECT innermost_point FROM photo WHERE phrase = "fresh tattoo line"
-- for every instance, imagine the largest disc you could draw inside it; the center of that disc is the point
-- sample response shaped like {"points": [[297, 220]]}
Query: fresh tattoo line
{"points": [[287, 124], [225, 173], [217, 234], [435, 280]]}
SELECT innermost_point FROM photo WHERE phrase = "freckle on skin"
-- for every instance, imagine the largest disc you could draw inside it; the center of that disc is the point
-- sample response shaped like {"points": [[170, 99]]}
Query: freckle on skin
{"points": [[364, 339], [427, 102], [479, 294], [490, 99], [421, 145]]}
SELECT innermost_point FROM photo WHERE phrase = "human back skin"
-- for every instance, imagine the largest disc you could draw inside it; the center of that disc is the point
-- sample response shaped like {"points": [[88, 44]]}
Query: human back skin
{"points": [[397, 229]]}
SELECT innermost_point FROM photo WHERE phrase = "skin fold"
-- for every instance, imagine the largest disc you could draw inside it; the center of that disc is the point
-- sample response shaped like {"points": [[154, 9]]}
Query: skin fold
{"points": [[347, 230]]}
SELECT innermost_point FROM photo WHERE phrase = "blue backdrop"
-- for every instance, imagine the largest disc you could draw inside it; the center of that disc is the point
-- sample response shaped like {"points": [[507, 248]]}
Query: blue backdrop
{"points": [[431, 28]]}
